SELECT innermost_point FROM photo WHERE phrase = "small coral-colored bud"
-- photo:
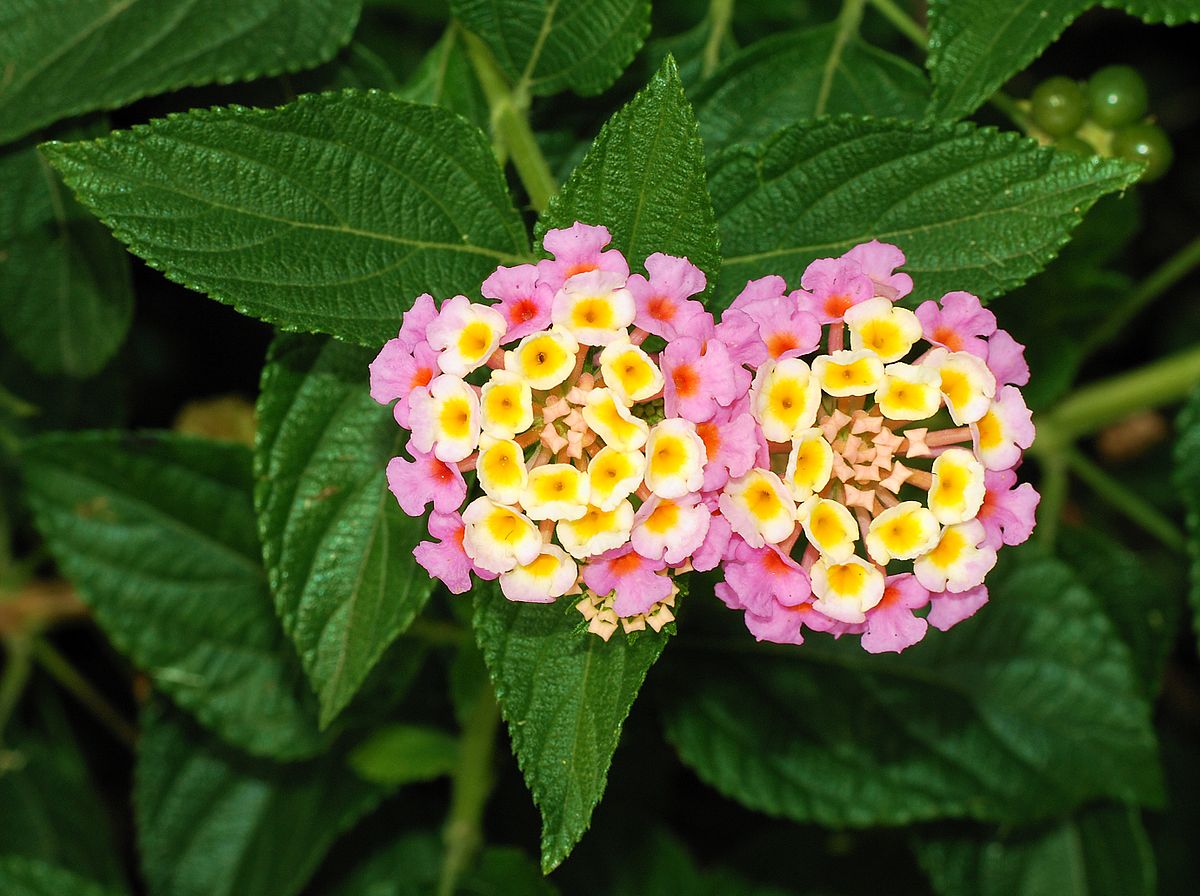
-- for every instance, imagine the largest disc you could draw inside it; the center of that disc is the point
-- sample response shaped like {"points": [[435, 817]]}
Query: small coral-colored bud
{"points": [[629, 372], [501, 470], [549, 576], [902, 532], [555, 492], [611, 420], [759, 508], [594, 306], [887, 330], [675, 458], [596, 531], [966, 383], [908, 393], [810, 464], [670, 529], [614, 475], [845, 591], [785, 398], [444, 418], [499, 538], [1005, 430], [831, 529], [959, 562], [844, 373], [958, 486], [465, 334], [505, 405], [543, 359]]}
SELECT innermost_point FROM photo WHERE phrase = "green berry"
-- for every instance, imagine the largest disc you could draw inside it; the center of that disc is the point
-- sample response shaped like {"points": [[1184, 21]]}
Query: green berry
{"points": [[1144, 143], [1075, 145], [1117, 96], [1058, 106]]}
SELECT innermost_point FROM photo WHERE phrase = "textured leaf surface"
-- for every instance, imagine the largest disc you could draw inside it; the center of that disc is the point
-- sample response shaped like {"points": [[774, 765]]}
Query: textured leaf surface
{"points": [[20, 876], [329, 214], [644, 179], [1100, 851], [972, 208], [565, 695], [213, 822], [779, 80], [1187, 480], [63, 57], [67, 299], [1027, 709], [337, 546], [549, 45], [158, 533], [1167, 12], [977, 45]]}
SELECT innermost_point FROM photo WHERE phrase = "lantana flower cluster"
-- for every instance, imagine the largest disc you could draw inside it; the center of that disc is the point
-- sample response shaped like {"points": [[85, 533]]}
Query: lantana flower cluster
{"points": [[848, 464]]}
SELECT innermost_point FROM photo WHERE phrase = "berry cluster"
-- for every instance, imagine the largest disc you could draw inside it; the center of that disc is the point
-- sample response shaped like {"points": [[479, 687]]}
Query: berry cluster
{"points": [[845, 461]]}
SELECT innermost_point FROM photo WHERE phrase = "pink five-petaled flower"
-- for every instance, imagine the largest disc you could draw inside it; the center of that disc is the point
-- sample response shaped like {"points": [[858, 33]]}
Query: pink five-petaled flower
{"points": [[395, 373], [447, 560], [879, 262], [634, 581], [769, 587], [697, 378], [733, 444], [664, 304], [1007, 513], [832, 285], [416, 320], [524, 300], [578, 249], [958, 323], [891, 625], [1006, 360], [947, 609], [425, 479], [781, 329]]}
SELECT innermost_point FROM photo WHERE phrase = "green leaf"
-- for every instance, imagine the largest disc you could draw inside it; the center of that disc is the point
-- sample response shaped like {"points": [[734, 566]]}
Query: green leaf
{"points": [[546, 46], [644, 180], [565, 694], [1100, 851], [777, 81], [663, 867], [329, 214], [977, 45], [20, 876], [445, 78], [402, 754], [337, 546], [1027, 709], [64, 57], [1187, 481], [972, 208], [1166, 12], [157, 532], [213, 822], [65, 281]]}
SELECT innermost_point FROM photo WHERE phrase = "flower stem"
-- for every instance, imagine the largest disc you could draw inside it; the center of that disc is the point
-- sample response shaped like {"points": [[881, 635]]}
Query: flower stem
{"points": [[902, 22], [720, 14], [1055, 485], [471, 783], [58, 668], [17, 665], [510, 124], [1125, 500]]}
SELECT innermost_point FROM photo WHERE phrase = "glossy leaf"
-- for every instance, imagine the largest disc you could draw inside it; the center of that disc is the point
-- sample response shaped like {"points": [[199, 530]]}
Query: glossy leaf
{"points": [[213, 822], [157, 532], [565, 695], [972, 208], [780, 80], [402, 754], [331, 213], [1028, 709], [64, 57], [65, 281], [546, 46], [644, 179], [337, 546], [20, 876]]}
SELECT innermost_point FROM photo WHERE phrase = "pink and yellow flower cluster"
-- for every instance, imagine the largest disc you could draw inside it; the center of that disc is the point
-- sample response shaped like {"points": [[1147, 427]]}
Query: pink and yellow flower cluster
{"points": [[847, 463]]}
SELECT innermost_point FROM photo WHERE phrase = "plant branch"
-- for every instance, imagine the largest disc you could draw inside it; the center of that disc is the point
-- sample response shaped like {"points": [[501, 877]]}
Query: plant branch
{"points": [[1125, 500], [903, 22], [720, 14], [1055, 486], [471, 783], [58, 668], [17, 664]]}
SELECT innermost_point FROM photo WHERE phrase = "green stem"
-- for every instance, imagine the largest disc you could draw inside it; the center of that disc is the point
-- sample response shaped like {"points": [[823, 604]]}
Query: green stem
{"points": [[848, 21], [471, 784], [510, 124], [1055, 486], [1167, 275], [720, 14], [58, 668], [903, 22], [17, 665], [1125, 500], [1094, 407], [1009, 107]]}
